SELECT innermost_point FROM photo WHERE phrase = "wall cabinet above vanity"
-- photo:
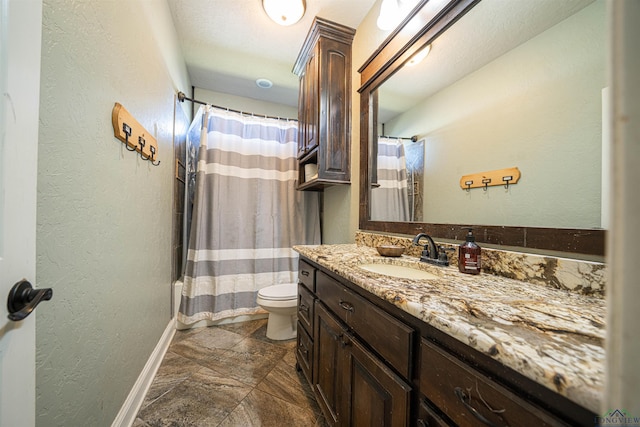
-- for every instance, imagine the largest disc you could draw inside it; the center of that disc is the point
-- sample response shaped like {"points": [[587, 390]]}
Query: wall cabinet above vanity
{"points": [[324, 105]]}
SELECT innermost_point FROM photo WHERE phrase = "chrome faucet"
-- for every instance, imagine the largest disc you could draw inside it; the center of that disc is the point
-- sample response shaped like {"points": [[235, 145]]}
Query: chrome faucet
{"points": [[430, 252]]}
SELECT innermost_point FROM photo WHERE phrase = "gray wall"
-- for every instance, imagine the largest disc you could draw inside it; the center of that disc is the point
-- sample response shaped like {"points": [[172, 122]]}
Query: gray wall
{"points": [[104, 215], [537, 107]]}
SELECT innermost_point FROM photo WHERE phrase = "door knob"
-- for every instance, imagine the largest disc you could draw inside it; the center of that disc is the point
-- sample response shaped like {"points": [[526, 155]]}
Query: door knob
{"points": [[23, 299]]}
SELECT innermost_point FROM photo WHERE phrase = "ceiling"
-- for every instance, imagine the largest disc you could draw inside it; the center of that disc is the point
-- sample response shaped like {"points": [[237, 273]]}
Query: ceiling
{"points": [[228, 44], [489, 30]]}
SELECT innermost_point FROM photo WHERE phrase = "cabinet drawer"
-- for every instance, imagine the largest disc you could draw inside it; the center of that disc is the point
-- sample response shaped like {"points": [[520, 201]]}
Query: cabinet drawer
{"points": [[307, 275], [471, 399], [389, 337], [427, 417], [305, 308], [304, 353]]}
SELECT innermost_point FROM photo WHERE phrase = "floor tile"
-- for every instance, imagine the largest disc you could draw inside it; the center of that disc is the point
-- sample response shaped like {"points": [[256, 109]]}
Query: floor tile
{"points": [[205, 399], [286, 383], [229, 375], [262, 409], [249, 361], [173, 370]]}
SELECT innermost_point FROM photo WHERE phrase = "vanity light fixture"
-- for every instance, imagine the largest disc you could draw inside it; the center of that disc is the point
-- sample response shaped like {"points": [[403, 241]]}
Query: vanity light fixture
{"points": [[418, 57], [389, 16], [284, 12]]}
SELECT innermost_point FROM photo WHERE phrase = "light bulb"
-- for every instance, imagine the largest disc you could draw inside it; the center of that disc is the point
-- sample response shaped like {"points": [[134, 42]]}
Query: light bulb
{"points": [[284, 12], [418, 57], [389, 16]]}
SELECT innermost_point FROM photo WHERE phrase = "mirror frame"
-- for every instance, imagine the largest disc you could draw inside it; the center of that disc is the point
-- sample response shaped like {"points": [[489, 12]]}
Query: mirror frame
{"points": [[431, 19]]}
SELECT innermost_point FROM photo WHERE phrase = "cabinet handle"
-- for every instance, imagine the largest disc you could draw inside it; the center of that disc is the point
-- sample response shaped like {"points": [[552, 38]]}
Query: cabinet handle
{"points": [[463, 399], [303, 307], [346, 305], [344, 341], [304, 273]]}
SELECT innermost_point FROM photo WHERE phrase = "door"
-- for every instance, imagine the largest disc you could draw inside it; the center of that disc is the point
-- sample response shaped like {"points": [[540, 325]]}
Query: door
{"points": [[20, 31]]}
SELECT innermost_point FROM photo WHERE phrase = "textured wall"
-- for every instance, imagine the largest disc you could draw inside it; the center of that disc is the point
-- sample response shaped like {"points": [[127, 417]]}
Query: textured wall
{"points": [[104, 215]]}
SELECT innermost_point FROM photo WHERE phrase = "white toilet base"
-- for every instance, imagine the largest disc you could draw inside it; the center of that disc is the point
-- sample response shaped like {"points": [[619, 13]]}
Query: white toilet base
{"points": [[281, 326]]}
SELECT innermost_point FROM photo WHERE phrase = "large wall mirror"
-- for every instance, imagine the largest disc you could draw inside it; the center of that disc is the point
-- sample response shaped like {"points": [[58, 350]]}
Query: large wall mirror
{"points": [[506, 83]]}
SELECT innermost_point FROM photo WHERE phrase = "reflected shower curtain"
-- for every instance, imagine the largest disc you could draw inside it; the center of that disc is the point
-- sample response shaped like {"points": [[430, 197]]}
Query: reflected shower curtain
{"points": [[390, 201], [246, 216]]}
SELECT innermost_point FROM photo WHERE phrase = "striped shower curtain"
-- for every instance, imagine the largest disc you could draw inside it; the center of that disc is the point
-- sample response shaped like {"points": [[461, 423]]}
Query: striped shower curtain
{"points": [[246, 216], [390, 200]]}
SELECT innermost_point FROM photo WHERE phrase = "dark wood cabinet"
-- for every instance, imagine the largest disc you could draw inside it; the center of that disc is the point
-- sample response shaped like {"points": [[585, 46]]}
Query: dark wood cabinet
{"points": [[324, 104], [353, 386], [371, 364]]}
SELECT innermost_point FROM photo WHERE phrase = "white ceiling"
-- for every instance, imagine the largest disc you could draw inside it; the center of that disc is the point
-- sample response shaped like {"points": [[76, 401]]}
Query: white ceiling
{"points": [[228, 44]]}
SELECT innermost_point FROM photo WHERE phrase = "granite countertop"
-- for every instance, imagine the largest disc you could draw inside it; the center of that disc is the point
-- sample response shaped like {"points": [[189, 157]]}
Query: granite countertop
{"points": [[552, 336]]}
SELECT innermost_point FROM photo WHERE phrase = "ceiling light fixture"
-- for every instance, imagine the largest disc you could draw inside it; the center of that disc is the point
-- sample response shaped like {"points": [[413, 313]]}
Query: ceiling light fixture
{"points": [[418, 57], [389, 16], [284, 12]]}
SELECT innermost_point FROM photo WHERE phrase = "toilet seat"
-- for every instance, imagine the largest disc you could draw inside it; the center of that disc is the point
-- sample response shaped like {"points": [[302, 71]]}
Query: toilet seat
{"points": [[279, 292]]}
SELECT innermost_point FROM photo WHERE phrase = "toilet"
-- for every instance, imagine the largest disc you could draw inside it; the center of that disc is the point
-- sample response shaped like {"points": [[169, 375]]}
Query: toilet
{"points": [[281, 301]]}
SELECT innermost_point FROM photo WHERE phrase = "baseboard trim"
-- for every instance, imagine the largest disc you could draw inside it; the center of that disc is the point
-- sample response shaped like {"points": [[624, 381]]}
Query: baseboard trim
{"points": [[132, 404]]}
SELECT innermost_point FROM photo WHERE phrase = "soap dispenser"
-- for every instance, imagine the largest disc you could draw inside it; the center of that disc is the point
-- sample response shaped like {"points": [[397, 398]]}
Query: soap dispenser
{"points": [[469, 255]]}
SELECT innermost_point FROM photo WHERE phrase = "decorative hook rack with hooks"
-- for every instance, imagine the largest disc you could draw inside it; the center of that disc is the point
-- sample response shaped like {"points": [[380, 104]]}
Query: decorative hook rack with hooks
{"points": [[488, 179], [135, 137]]}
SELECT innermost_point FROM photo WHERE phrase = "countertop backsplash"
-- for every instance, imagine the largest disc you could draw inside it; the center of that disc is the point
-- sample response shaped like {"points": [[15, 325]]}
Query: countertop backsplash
{"points": [[585, 277]]}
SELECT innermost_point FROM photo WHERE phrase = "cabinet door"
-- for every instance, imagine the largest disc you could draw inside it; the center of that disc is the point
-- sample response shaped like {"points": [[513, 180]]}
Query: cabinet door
{"points": [[372, 394], [311, 102], [335, 109], [327, 368], [302, 116]]}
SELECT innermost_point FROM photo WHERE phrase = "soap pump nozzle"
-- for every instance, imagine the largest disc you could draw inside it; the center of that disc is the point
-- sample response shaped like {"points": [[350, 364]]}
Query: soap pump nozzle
{"points": [[470, 237]]}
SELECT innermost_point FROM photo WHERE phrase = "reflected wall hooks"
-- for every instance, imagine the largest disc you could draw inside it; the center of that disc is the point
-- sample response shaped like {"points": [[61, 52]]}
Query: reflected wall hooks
{"points": [[488, 179], [128, 130]]}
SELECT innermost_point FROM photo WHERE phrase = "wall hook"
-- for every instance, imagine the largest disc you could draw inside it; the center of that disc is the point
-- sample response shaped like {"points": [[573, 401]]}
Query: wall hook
{"points": [[153, 153], [468, 184], [486, 182], [507, 179], [127, 133], [141, 143]]}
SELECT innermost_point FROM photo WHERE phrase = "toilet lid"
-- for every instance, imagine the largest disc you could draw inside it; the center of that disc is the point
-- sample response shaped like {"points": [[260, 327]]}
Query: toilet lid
{"points": [[279, 292]]}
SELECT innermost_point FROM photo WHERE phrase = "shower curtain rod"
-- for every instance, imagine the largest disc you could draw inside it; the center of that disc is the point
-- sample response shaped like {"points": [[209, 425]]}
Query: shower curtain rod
{"points": [[414, 138], [182, 97]]}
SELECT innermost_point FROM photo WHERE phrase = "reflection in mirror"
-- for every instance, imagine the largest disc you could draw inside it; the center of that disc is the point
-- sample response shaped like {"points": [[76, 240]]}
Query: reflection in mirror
{"points": [[397, 195], [511, 84]]}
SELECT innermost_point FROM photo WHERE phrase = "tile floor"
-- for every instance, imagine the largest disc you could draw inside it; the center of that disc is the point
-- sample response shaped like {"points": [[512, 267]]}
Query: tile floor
{"points": [[227, 376]]}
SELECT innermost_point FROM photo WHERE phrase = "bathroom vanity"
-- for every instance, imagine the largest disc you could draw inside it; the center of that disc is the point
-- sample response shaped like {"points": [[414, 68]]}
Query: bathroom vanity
{"points": [[453, 350]]}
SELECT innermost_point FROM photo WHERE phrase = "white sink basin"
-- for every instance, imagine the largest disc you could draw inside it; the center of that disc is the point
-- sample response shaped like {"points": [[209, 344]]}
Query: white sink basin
{"points": [[399, 271]]}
